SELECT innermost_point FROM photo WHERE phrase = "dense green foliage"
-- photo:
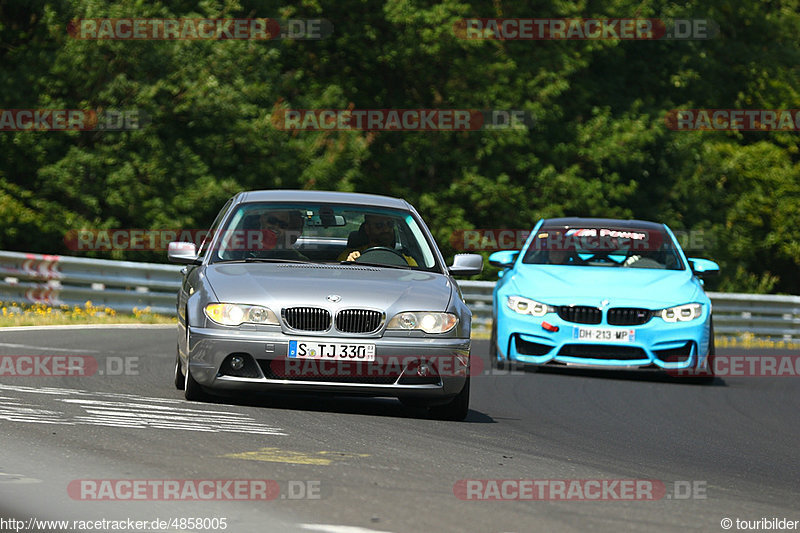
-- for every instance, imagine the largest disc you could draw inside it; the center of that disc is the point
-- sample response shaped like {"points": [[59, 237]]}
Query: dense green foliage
{"points": [[600, 146]]}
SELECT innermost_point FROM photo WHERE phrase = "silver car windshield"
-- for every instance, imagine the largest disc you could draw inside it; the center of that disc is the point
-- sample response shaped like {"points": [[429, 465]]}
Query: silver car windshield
{"points": [[603, 247], [324, 233]]}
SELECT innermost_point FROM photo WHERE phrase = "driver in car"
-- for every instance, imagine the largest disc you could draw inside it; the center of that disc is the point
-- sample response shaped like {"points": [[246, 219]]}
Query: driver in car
{"points": [[379, 231], [561, 257], [281, 230], [563, 254]]}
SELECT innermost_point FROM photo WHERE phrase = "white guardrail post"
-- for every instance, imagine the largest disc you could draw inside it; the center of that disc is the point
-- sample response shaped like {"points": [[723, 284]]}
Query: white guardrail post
{"points": [[123, 285]]}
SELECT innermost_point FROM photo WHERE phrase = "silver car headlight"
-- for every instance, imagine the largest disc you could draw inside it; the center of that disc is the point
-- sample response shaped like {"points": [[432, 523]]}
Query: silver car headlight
{"points": [[525, 306], [681, 313], [236, 314], [426, 321]]}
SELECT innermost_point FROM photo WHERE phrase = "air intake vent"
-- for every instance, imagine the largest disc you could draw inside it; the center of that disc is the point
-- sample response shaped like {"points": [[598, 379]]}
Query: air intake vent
{"points": [[603, 351], [328, 267]]}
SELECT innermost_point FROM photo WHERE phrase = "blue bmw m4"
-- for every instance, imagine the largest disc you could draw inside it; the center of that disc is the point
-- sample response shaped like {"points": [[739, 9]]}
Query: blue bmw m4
{"points": [[606, 293]]}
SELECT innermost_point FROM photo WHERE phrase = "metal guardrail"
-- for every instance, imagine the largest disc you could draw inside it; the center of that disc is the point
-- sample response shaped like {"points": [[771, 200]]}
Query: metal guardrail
{"points": [[60, 279], [761, 315], [124, 285]]}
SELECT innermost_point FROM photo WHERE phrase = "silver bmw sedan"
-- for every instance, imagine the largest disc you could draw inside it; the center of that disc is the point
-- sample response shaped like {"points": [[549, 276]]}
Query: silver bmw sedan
{"points": [[328, 292]]}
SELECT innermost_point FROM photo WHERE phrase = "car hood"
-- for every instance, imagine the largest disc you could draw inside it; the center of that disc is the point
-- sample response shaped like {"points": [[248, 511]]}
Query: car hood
{"points": [[279, 285], [636, 287]]}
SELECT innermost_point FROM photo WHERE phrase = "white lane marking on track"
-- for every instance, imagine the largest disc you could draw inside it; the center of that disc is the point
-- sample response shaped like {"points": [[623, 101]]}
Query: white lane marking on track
{"points": [[138, 412], [335, 528], [79, 392], [17, 412], [134, 405], [46, 348]]}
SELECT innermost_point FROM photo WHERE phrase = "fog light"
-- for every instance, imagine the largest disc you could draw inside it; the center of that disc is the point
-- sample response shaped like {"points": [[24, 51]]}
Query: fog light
{"points": [[424, 370], [237, 362]]}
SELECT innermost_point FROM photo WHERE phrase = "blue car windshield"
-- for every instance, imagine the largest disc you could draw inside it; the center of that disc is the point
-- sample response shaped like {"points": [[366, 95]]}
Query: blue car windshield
{"points": [[603, 247]]}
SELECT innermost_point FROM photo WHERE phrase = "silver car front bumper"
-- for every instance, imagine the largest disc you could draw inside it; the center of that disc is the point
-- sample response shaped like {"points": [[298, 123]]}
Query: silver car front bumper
{"points": [[208, 349]]}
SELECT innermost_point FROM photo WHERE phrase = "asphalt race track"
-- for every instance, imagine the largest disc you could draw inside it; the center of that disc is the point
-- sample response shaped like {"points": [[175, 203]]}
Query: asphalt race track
{"points": [[729, 450]]}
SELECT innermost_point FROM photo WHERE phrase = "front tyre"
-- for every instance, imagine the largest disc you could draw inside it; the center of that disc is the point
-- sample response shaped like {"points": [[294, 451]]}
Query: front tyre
{"points": [[498, 363], [707, 375], [180, 379], [193, 391], [456, 409], [704, 375]]}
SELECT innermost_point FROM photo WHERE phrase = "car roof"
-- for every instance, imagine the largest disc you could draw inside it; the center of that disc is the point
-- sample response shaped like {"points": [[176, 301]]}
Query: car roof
{"points": [[570, 222], [333, 197]]}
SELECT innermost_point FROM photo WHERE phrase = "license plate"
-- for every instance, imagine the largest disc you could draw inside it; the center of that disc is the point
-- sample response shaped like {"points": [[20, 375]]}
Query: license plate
{"points": [[332, 351], [604, 334]]}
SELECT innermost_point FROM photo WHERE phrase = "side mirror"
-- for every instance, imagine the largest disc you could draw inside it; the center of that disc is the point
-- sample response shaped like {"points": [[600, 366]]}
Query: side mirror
{"points": [[183, 253], [703, 267], [466, 265], [504, 259]]}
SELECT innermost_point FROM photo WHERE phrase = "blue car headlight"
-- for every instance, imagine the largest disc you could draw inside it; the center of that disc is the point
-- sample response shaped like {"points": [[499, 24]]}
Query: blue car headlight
{"points": [[681, 313], [525, 306]]}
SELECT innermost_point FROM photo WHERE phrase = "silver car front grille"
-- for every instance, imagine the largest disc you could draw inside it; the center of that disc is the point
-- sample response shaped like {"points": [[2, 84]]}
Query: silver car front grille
{"points": [[358, 320], [318, 319], [307, 318]]}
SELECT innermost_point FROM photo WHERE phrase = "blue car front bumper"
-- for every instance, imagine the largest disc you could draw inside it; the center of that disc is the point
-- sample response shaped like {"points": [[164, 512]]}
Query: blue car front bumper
{"points": [[551, 339]]}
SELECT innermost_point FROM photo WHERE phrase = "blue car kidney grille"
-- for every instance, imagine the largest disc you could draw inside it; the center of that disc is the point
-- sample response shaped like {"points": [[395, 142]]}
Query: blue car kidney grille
{"points": [[580, 314], [628, 316], [307, 318]]}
